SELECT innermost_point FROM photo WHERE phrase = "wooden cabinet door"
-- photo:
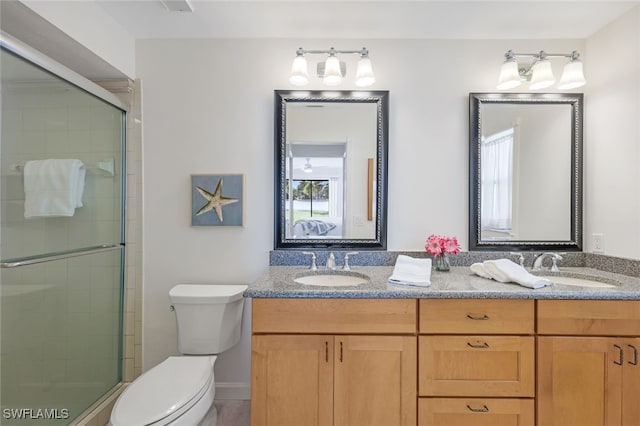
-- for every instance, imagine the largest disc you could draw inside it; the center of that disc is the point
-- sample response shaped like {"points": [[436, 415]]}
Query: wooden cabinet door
{"points": [[292, 380], [477, 366], [631, 383], [580, 381], [475, 412], [375, 381]]}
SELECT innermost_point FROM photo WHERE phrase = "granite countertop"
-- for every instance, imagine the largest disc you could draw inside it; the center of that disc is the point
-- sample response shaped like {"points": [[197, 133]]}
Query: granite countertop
{"points": [[459, 283]]}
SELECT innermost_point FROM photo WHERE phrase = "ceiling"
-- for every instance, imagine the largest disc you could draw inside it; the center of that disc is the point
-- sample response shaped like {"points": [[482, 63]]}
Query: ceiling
{"points": [[359, 19]]}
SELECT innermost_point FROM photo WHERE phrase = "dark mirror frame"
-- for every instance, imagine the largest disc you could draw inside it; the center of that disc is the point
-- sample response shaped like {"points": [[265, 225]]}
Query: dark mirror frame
{"points": [[476, 100], [381, 99]]}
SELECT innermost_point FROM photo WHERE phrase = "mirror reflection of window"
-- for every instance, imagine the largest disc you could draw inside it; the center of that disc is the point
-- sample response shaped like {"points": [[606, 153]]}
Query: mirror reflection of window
{"points": [[496, 173], [315, 190]]}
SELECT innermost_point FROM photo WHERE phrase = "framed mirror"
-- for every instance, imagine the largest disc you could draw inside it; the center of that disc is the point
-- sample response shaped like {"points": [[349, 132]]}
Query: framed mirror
{"points": [[331, 169], [525, 171]]}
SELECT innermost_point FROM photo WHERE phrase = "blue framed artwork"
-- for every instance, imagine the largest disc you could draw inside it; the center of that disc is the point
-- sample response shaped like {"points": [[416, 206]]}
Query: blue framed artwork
{"points": [[216, 200]]}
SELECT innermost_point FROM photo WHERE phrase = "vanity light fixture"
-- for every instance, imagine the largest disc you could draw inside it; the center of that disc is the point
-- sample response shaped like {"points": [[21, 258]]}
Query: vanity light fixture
{"points": [[332, 70], [539, 72]]}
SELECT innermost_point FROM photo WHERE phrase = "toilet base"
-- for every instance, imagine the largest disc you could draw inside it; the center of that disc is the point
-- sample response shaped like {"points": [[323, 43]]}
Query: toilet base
{"points": [[211, 418]]}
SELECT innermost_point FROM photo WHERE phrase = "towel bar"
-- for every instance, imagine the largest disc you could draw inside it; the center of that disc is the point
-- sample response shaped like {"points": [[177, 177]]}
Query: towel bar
{"points": [[101, 168], [14, 263]]}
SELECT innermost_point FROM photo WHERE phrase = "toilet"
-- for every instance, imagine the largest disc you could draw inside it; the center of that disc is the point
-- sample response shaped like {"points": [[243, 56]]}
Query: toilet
{"points": [[179, 391]]}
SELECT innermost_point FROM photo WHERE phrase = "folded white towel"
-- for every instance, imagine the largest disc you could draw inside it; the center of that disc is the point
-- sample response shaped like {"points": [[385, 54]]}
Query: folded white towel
{"points": [[504, 270], [478, 269], [411, 271], [53, 187]]}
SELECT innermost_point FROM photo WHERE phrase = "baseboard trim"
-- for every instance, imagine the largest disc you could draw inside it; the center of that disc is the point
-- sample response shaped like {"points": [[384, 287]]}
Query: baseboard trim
{"points": [[233, 391]]}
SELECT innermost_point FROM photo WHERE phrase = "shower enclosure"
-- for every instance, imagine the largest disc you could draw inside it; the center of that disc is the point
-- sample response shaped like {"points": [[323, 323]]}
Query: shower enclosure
{"points": [[61, 277]]}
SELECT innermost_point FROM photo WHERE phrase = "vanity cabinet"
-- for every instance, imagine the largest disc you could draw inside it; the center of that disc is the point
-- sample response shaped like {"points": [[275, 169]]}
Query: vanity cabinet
{"points": [[485, 378], [325, 362], [588, 367], [443, 362]]}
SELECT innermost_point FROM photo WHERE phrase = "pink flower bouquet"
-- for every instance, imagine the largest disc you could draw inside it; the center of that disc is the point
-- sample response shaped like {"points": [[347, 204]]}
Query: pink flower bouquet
{"points": [[438, 245]]}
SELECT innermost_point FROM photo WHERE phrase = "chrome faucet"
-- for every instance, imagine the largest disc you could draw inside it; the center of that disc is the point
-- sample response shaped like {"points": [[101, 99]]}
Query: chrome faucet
{"points": [[520, 258], [537, 262], [346, 266], [313, 266], [331, 261]]}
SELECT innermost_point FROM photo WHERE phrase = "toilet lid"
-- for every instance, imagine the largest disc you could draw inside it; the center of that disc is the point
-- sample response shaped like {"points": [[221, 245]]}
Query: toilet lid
{"points": [[167, 390]]}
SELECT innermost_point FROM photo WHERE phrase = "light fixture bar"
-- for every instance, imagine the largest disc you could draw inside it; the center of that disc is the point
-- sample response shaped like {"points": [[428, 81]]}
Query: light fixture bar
{"points": [[539, 72], [332, 51], [548, 55], [333, 70]]}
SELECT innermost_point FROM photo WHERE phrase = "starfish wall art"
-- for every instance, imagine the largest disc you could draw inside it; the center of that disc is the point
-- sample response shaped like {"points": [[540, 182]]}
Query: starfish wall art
{"points": [[216, 200]]}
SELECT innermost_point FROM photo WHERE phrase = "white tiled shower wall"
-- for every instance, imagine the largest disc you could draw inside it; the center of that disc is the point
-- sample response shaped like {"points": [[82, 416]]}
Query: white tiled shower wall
{"points": [[129, 93], [51, 121]]}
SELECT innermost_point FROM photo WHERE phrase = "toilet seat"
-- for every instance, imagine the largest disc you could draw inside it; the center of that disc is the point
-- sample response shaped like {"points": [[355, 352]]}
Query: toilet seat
{"points": [[165, 392]]}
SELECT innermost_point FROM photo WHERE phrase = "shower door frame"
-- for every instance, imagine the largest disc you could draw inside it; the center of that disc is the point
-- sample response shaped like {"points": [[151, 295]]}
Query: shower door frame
{"points": [[46, 63]]}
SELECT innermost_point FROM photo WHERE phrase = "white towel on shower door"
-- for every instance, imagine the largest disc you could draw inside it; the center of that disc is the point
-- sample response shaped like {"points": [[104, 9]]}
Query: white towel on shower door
{"points": [[53, 187]]}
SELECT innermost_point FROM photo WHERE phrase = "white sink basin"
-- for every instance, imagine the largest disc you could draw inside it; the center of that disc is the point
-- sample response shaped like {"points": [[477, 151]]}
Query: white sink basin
{"points": [[329, 279], [583, 281]]}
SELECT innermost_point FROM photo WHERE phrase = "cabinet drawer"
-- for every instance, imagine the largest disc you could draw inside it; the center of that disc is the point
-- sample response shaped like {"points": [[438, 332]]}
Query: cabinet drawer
{"points": [[475, 412], [589, 317], [335, 316], [476, 366], [472, 316]]}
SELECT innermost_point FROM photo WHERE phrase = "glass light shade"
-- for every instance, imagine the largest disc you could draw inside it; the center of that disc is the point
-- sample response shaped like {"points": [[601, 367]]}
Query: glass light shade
{"points": [[509, 75], [299, 73], [541, 75], [332, 74], [364, 73], [572, 76]]}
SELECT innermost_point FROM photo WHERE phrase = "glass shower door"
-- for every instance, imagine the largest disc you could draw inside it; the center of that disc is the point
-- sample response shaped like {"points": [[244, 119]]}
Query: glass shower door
{"points": [[61, 281]]}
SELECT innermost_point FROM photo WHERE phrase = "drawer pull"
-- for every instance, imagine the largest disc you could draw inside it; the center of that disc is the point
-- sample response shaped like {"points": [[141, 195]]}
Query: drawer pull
{"points": [[620, 355], [326, 351], [477, 318], [484, 409], [478, 345], [635, 355], [340, 351]]}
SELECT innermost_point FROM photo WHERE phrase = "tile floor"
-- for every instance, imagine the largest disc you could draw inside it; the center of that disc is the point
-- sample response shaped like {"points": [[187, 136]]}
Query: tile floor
{"points": [[233, 412]]}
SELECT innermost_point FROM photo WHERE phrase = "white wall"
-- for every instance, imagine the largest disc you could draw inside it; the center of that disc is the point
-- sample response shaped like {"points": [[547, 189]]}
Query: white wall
{"points": [[87, 23], [208, 108], [612, 137]]}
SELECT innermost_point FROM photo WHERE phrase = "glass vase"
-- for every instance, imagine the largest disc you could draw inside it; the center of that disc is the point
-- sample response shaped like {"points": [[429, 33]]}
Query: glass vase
{"points": [[441, 263]]}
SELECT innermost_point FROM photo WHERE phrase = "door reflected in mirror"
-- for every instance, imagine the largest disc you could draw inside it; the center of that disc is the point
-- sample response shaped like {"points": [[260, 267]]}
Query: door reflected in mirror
{"points": [[331, 163]]}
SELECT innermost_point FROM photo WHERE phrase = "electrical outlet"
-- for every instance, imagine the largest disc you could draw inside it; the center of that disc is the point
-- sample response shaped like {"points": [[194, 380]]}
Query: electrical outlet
{"points": [[598, 243]]}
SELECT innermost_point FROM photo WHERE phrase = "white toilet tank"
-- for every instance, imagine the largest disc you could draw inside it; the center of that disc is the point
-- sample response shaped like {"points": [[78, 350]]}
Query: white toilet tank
{"points": [[209, 317]]}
